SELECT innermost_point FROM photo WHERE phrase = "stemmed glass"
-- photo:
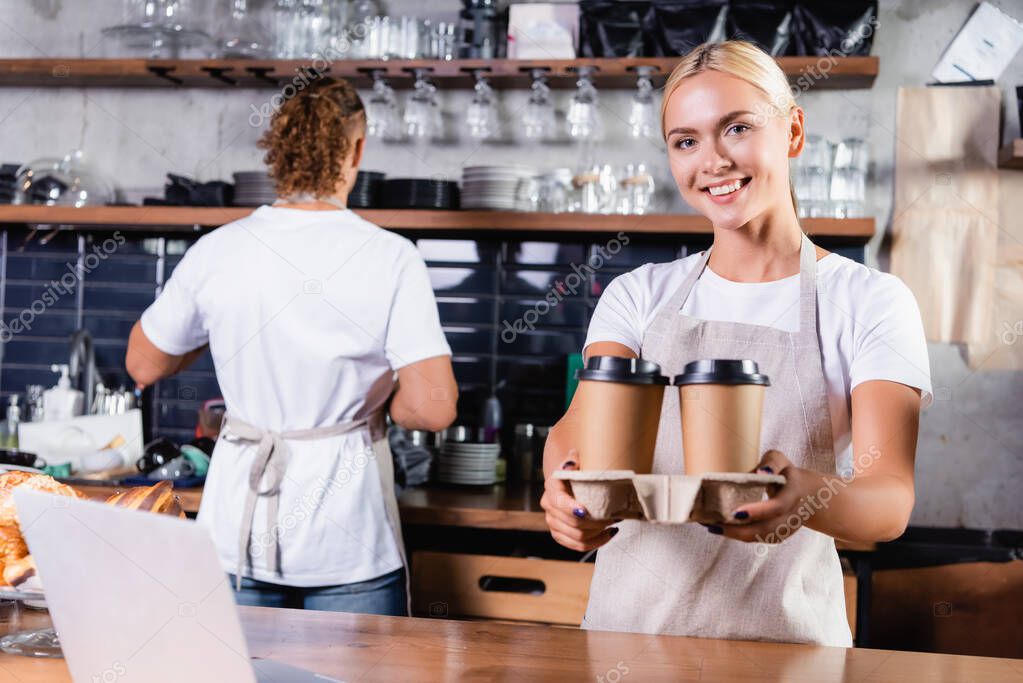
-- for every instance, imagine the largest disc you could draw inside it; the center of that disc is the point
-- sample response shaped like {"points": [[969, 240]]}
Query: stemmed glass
{"points": [[481, 117], [583, 119], [382, 119], [642, 115], [539, 121], [422, 112]]}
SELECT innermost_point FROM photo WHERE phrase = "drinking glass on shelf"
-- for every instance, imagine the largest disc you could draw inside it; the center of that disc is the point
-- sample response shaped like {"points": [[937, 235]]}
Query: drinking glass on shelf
{"points": [[817, 153], [643, 118], [636, 191], [243, 34], [848, 190], [555, 191], [422, 112], [539, 121], [582, 121], [597, 187], [481, 117], [382, 118], [849, 178], [527, 194], [851, 153], [442, 41]]}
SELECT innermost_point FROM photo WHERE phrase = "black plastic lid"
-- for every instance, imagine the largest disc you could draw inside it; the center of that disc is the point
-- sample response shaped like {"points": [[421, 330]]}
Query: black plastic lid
{"points": [[624, 370], [721, 372]]}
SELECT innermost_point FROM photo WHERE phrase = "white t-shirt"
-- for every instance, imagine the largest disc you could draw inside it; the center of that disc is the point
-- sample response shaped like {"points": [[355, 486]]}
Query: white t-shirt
{"points": [[308, 314], [869, 323]]}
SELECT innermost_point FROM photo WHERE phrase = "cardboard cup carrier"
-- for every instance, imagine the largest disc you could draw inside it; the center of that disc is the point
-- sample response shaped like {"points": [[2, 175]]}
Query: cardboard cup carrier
{"points": [[619, 400]]}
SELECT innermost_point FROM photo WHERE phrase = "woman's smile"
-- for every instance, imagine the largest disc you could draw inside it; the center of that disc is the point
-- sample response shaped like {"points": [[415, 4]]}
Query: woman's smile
{"points": [[726, 191]]}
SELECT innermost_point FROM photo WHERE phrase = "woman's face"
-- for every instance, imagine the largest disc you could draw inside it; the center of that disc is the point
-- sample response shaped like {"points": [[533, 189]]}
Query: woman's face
{"points": [[729, 148]]}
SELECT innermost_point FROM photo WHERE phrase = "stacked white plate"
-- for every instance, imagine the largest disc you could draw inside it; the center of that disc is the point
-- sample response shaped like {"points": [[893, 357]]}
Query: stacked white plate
{"points": [[493, 187], [253, 188], [468, 463]]}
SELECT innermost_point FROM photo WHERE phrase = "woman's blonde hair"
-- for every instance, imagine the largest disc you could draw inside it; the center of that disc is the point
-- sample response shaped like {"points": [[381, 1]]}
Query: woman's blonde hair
{"points": [[743, 60]]}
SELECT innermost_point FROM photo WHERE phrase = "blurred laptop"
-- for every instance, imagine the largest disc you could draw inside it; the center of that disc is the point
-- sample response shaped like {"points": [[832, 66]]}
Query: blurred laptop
{"points": [[137, 596]]}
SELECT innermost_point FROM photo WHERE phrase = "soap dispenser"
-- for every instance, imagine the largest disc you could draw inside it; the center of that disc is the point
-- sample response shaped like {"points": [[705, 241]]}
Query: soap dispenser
{"points": [[62, 402]]}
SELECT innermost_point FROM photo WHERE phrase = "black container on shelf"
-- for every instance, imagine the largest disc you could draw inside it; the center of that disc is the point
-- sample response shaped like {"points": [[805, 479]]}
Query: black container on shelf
{"points": [[763, 22], [666, 28], [419, 193], [612, 29], [365, 192], [674, 27], [839, 29]]}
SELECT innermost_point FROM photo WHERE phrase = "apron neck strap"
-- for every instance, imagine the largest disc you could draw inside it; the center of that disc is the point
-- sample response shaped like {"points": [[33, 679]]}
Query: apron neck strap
{"points": [[308, 198], [807, 292], [807, 288]]}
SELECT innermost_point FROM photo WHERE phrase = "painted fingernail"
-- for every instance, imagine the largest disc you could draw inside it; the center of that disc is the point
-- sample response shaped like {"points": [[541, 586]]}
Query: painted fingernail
{"points": [[765, 468], [741, 514], [612, 531], [579, 512], [714, 529], [568, 464]]}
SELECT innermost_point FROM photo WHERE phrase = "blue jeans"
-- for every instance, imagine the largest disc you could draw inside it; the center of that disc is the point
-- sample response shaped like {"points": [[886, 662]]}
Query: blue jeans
{"points": [[382, 595]]}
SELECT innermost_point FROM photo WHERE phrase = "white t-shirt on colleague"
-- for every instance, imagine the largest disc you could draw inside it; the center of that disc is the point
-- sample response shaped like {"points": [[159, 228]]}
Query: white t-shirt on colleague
{"points": [[308, 314], [869, 323]]}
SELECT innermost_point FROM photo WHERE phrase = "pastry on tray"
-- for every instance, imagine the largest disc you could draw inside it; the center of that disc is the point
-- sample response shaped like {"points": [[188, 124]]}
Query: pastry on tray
{"points": [[16, 565]]}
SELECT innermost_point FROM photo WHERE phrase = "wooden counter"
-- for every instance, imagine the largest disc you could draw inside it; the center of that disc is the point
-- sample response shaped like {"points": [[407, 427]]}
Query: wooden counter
{"points": [[370, 648], [512, 506]]}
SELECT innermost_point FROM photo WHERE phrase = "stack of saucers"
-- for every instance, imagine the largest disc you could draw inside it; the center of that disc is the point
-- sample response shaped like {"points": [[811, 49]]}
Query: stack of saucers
{"points": [[493, 187], [419, 193], [468, 463], [8, 179], [253, 188], [365, 193]]}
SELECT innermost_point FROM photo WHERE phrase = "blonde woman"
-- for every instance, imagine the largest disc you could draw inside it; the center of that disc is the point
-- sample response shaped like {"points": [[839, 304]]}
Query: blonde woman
{"points": [[844, 348]]}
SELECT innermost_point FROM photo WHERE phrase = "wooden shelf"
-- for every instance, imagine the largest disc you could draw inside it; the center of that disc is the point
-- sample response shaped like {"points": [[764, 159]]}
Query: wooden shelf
{"points": [[807, 72], [1011, 155], [187, 219]]}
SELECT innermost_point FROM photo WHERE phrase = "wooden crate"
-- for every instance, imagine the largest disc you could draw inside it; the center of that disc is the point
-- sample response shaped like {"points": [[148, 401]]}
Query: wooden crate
{"points": [[461, 585]]}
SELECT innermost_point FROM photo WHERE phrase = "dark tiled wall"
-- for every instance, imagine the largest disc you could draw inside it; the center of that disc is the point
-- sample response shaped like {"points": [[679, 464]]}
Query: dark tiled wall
{"points": [[482, 285]]}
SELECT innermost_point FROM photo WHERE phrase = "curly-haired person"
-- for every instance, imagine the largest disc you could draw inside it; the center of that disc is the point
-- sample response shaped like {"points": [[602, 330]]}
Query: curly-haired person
{"points": [[317, 322]]}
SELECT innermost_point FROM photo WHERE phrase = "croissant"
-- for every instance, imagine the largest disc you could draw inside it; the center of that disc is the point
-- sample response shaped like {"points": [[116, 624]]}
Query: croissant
{"points": [[16, 565], [159, 498], [12, 545]]}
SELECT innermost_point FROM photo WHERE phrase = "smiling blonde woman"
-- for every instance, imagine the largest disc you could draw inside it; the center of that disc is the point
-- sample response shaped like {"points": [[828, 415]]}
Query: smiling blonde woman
{"points": [[843, 345]]}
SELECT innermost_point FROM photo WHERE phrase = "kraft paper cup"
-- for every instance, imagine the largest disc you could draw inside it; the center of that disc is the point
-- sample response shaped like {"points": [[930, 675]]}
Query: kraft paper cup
{"points": [[619, 406], [721, 403]]}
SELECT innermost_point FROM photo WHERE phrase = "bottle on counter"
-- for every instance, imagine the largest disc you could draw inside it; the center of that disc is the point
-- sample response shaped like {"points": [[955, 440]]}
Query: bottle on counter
{"points": [[34, 403], [62, 402], [9, 433]]}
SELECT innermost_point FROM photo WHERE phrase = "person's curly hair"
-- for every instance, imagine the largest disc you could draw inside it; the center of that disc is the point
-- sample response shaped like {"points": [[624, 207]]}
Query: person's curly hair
{"points": [[310, 137]]}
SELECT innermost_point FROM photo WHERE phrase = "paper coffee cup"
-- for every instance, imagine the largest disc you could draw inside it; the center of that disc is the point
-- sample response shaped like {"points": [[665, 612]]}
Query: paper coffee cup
{"points": [[619, 407], [722, 402]]}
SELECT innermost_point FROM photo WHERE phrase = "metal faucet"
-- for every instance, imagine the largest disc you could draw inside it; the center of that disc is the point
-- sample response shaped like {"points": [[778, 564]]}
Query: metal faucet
{"points": [[83, 358]]}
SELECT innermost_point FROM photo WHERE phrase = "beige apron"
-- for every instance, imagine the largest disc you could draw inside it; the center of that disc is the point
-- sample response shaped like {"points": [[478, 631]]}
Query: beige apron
{"points": [[683, 580], [267, 475]]}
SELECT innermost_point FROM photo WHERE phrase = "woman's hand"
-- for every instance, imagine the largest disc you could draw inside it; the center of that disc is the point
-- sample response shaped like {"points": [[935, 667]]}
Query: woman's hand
{"points": [[570, 524], [775, 519]]}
